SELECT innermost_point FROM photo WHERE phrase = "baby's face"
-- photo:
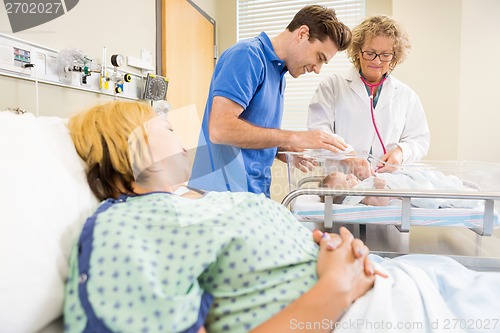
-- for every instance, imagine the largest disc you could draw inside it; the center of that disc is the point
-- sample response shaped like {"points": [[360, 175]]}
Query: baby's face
{"points": [[340, 180]]}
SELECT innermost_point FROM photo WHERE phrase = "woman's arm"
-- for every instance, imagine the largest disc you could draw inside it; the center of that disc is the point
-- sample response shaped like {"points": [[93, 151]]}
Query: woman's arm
{"points": [[341, 281], [415, 138]]}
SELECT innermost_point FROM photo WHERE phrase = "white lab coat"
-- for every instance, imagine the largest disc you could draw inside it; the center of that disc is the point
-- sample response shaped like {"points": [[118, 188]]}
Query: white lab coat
{"points": [[341, 106]]}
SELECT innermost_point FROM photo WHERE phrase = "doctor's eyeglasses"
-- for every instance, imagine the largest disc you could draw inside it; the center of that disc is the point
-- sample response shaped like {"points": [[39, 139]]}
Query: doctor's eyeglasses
{"points": [[384, 57]]}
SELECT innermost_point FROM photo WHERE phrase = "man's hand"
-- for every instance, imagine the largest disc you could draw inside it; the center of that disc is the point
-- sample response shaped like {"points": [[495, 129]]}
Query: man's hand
{"points": [[317, 139], [301, 162]]}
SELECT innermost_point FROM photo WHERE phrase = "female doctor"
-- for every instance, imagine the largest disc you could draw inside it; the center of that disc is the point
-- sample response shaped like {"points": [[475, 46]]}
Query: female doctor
{"points": [[368, 107]]}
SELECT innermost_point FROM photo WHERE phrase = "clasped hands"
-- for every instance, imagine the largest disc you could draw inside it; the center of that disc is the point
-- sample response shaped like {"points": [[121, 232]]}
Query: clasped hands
{"points": [[343, 260]]}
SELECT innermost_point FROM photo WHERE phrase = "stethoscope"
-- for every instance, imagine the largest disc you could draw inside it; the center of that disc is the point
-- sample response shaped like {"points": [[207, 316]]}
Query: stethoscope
{"points": [[372, 89]]}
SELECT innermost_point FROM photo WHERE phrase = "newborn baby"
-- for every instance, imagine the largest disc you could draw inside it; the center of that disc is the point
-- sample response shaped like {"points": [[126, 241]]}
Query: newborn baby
{"points": [[340, 180], [400, 179]]}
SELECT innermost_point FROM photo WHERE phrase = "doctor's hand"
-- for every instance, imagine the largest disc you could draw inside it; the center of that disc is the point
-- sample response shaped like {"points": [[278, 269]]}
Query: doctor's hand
{"points": [[360, 167], [343, 269], [317, 139], [392, 158]]}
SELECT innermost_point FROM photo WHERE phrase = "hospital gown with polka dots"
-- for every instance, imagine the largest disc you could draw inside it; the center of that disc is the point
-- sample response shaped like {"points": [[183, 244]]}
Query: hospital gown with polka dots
{"points": [[164, 263]]}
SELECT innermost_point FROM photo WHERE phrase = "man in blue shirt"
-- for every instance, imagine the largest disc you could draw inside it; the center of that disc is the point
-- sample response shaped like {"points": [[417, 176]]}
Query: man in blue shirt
{"points": [[241, 132]]}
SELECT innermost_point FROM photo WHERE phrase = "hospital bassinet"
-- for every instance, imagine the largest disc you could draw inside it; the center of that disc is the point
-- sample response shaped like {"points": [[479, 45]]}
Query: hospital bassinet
{"points": [[482, 180]]}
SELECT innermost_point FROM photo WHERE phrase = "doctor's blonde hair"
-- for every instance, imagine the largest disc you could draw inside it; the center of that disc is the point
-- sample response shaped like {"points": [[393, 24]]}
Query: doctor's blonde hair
{"points": [[379, 25], [100, 135]]}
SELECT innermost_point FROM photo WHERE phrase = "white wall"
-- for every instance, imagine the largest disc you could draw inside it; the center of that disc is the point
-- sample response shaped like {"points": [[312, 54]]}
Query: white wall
{"points": [[374, 7], [123, 26], [433, 67], [453, 69], [479, 116]]}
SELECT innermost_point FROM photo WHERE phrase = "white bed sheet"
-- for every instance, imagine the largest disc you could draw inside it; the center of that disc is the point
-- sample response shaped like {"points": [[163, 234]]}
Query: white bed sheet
{"points": [[426, 293], [309, 208]]}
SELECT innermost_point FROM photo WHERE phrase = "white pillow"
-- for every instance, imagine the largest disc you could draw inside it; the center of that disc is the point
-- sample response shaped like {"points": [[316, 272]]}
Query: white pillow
{"points": [[44, 200]]}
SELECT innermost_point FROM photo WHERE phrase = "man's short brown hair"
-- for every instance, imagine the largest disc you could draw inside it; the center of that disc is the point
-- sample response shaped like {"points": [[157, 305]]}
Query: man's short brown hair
{"points": [[323, 24]]}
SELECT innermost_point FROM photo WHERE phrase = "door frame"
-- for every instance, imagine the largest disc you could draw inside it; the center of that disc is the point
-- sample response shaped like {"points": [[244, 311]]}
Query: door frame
{"points": [[159, 33]]}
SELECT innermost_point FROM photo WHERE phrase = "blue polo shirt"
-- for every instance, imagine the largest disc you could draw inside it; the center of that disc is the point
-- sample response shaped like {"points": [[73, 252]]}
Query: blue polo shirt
{"points": [[250, 74]]}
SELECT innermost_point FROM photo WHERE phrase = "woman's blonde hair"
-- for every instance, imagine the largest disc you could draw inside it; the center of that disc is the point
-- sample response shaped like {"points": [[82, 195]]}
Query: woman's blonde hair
{"points": [[100, 135], [379, 25]]}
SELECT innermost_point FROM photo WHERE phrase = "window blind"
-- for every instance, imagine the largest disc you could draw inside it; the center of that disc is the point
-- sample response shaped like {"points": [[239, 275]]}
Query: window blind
{"points": [[272, 16]]}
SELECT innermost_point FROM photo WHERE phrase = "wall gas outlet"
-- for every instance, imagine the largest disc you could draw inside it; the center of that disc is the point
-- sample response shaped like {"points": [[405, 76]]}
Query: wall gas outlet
{"points": [[28, 61]]}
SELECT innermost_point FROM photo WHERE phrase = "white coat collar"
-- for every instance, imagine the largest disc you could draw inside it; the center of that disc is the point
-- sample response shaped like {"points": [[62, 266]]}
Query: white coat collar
{"points": [[388, 92]]}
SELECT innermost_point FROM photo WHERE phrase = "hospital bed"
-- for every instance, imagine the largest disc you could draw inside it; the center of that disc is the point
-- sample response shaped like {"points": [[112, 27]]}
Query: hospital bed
{"points": [[44, 201]]}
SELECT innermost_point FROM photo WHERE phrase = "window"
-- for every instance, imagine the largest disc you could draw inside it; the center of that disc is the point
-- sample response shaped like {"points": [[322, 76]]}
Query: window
{"points": [[272, 16]]}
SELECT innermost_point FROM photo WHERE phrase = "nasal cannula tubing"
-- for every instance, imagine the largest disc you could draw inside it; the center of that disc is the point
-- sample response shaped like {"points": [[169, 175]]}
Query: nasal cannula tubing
{"points": [[372, 89]]}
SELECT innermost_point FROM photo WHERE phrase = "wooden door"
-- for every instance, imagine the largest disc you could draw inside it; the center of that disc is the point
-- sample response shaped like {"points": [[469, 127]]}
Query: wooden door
{"points": [[188, 52]]}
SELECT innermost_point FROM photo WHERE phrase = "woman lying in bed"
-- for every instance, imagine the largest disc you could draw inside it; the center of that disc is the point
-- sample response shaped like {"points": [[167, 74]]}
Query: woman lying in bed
{"points": [[152, 261], [422, 180]]}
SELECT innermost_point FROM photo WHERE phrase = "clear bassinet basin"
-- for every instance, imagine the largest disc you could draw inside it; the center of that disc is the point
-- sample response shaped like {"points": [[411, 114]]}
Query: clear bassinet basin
{"points": [[307, 169]]}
